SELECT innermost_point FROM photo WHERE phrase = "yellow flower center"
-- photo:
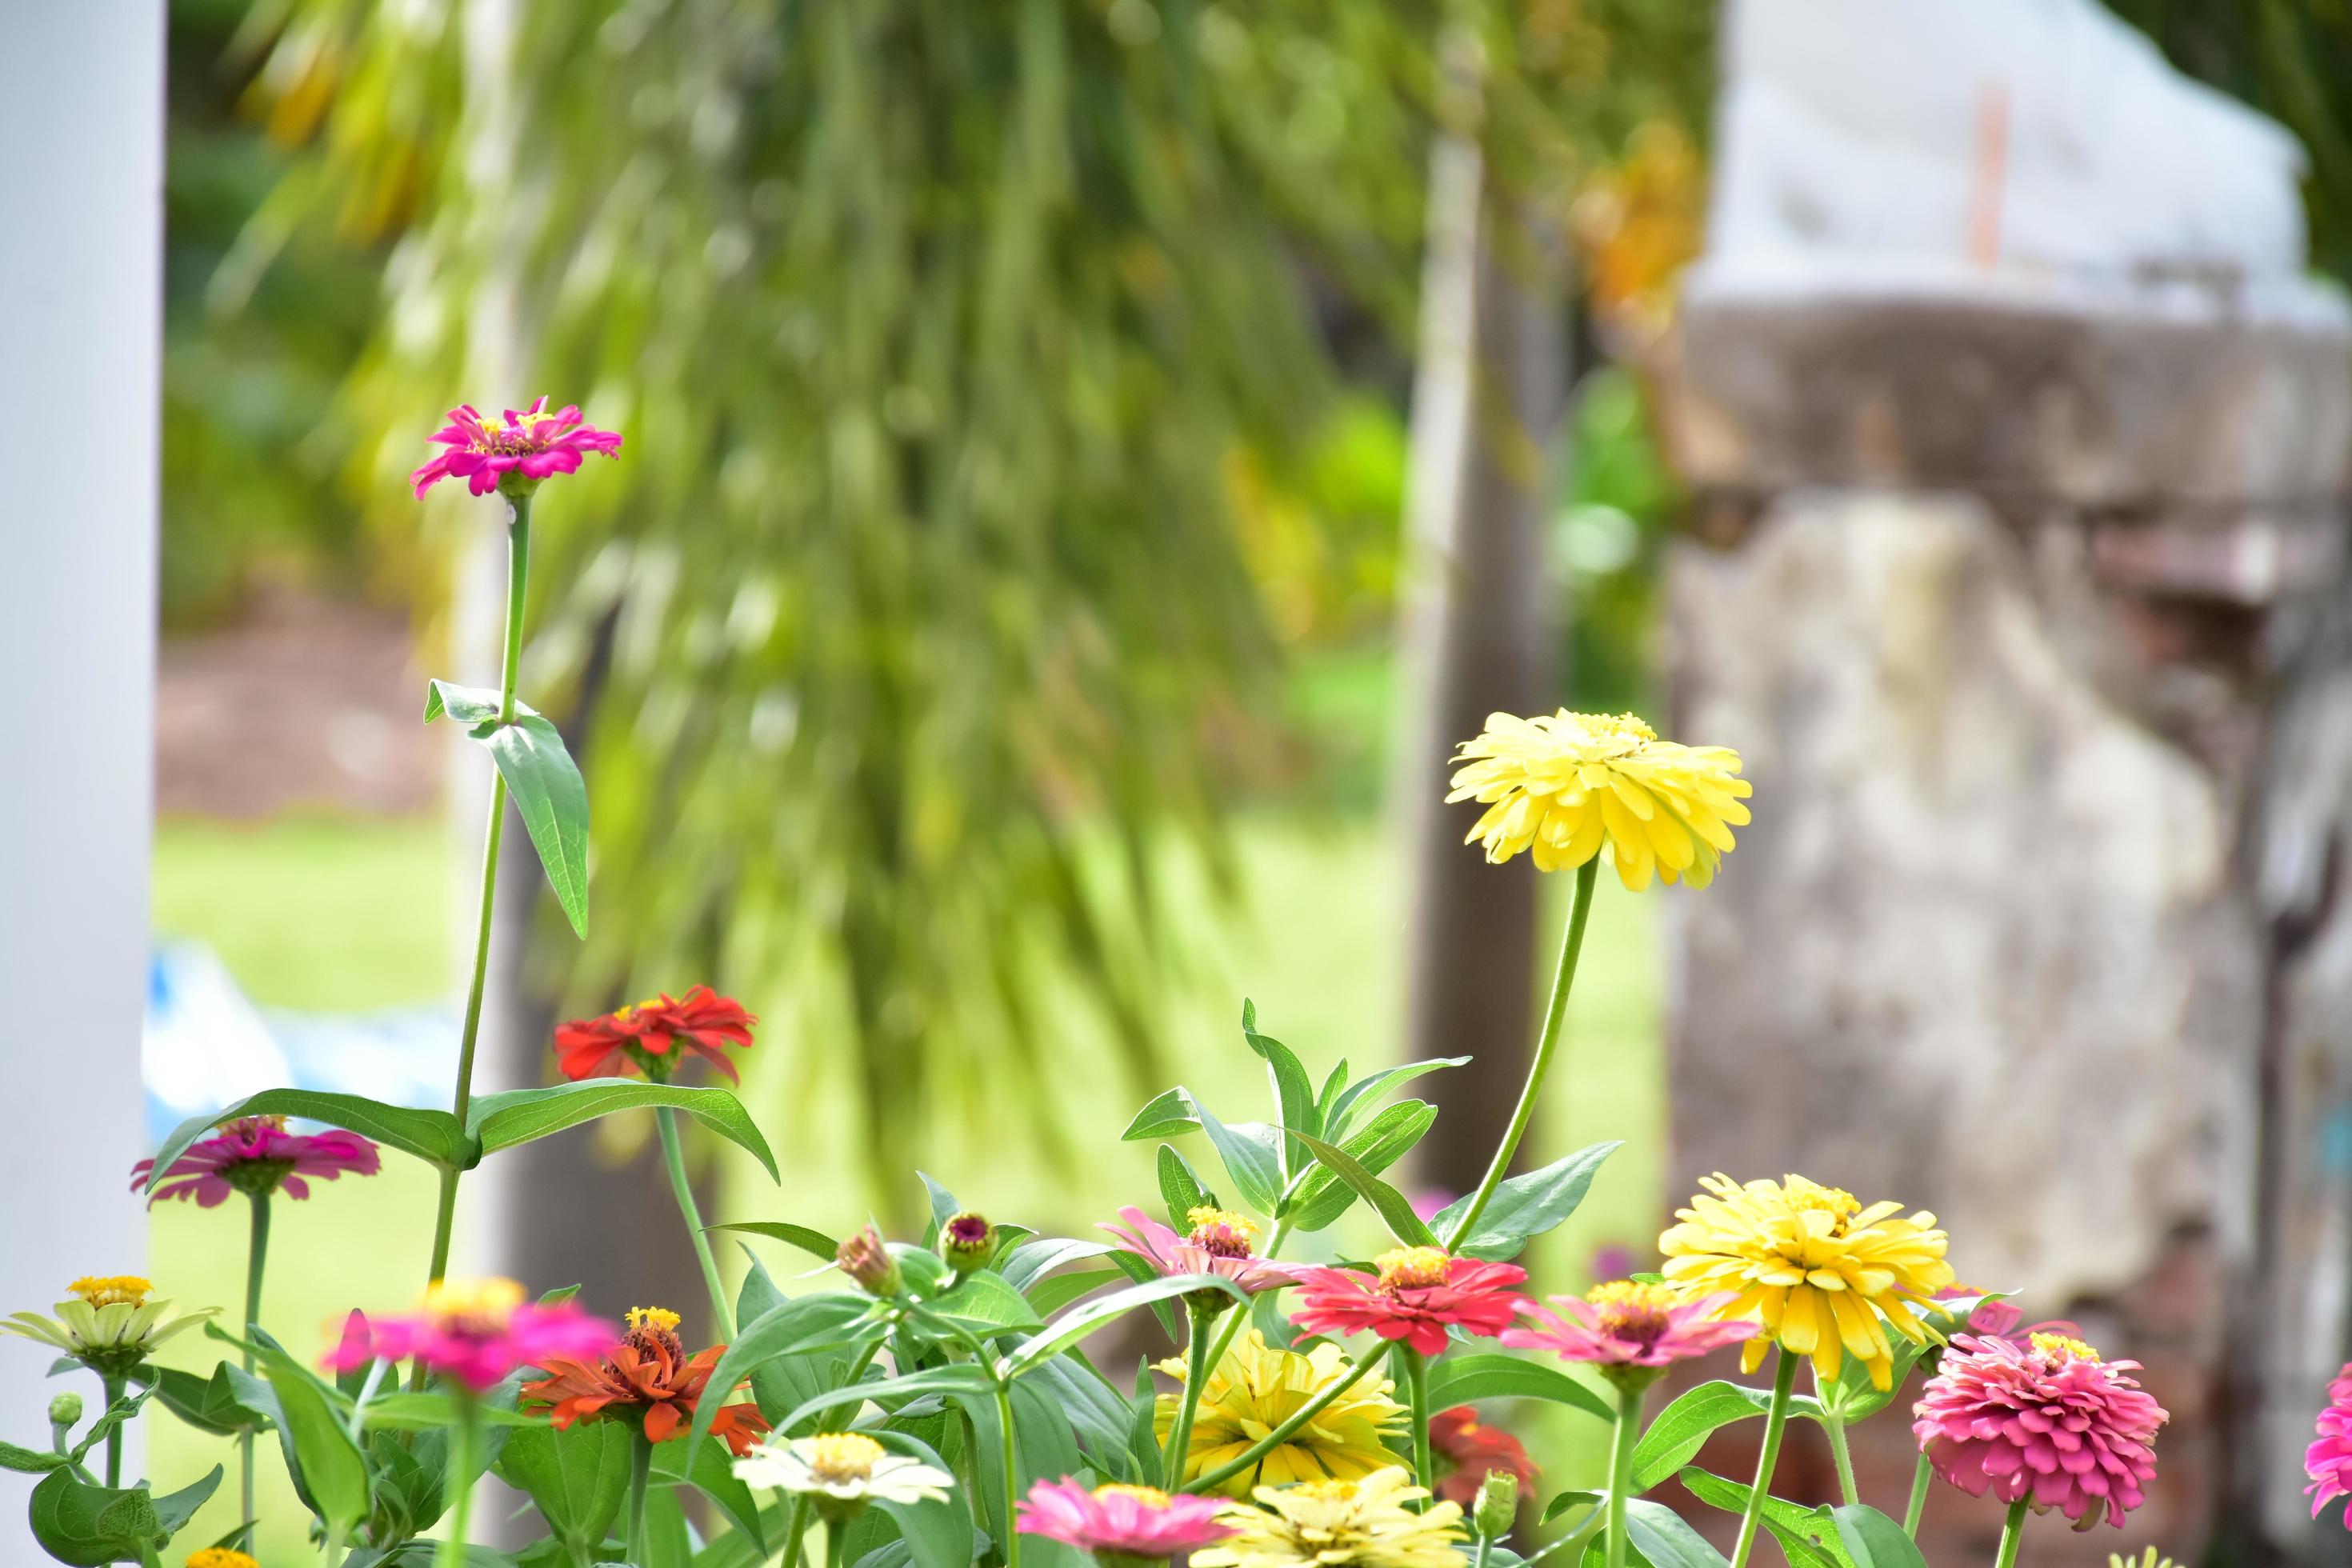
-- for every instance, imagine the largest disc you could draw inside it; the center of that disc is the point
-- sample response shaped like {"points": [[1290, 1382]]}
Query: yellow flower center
{"points": [[1221, 1233], [1408, 1267], [110, 1289], [653, 1317], [844, 1456], [1150, 1496], [1630, 1309], [1836, 1202], [1331, 1491], [2063, 1348], [475, 1303], [1612, 731], [220, 1557]]}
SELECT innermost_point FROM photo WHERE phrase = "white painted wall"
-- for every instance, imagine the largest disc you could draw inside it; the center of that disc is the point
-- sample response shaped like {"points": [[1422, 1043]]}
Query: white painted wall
{"points": [[81, 169]]}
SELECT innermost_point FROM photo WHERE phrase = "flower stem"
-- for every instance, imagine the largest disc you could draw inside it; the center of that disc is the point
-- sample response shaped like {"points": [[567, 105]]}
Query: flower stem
{"points": [[1256, 1451], [256, 1254], [112, 1384], [1485, 1543], [461, 1487], [1196, 1373], [1621, 1468], [1839, 1449], [641, 1466], [518, 576], [1918, 1504], [1416, 1384], [796, 1530], [2012, 1531], [1547, 1046], [1011, 1474], [837, 1537], [674, 1153], [1776, 1421]]}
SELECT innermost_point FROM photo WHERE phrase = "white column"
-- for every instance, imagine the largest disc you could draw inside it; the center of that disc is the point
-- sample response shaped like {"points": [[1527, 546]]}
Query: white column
{"points": [[82, 168]]}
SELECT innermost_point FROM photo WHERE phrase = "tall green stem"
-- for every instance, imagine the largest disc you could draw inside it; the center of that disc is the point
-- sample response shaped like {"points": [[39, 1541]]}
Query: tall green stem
{"points": [[461, 1480], [1920, 1473], [837, 1537], [518, 576], [1196, 1373], [256, 1254], [1776, 1421], [1547, 1046], [1416, 1386], [1282, 1434], [112, 1385], [1012, 1542], [673, 1153], [796, 1530], [1621, 1467], [641, 1467], [1843, 1453], [2012, 1531]]}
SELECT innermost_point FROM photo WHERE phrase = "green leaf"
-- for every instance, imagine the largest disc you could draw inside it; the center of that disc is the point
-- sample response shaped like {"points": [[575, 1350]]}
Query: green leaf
{"points": [[29, 1461], [712, 1475], [945, 1207], [1394, 1208], [1462, 1379], [1371, 1089], [1853, 1396], [1027, 1264], [814, 1242], [402, 1412], [334, 1472], [86, 1525], [1072, 1327], [956, 1377], [432, 1136], [937, 1534], [1140, 1270], [1170, 1113], [1180, 1188], [1050, 1295], [1566, 1501], [1250, 1152], [1683, 1427], [578, 1478], [1294, 1095], [1323, 1197], [1336, 1080], [519, 1116], [1874, 1541], [1527, 1206], [1809, 1536], [803, 1320], [207, 1403], [541, 775], [1665, 1539], [984, 1302]]}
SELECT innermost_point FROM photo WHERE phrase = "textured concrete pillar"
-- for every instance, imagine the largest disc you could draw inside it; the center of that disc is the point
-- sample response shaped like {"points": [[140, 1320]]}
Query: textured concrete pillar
{"points": [[2028, 609]]}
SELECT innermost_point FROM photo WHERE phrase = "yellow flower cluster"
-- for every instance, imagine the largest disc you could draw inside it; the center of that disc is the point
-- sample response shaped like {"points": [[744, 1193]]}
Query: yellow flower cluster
{"points": [[1362, 1523], [1255, 1388]]}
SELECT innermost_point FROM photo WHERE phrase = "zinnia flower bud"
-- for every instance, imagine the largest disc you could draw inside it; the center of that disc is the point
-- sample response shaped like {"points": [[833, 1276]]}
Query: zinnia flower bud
{"points": [[967, 1241], [64, 1411], [1497, 1505], [865, 1258]]}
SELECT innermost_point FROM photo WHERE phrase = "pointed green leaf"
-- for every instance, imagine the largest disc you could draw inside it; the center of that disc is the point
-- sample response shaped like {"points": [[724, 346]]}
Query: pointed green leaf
{"points": [[814, 1242], [1249, 1151], [1527, 1206], [1363, 1094], [1665, 1539], [29, 1461], [1294, 1095], [432, 1136], [1462, 1379], [578, 1478], [1323, 1197], [958, 1376], [1872, 1539], [1072, 1327], [800, 1322], [986, 1304], [333, 1471], [502, 1120], [1180, 1188], [1393, 1207], [541, 777], [712, 1475], [1808, 1535], [1168, 1113]]}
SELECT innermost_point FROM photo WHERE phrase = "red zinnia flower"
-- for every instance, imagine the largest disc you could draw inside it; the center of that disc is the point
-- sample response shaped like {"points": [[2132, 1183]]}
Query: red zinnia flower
{"points": [[1465, 1449], [643, 1033], [647, 1375], [1418, 1294], [256, 1155], [530, 446]]}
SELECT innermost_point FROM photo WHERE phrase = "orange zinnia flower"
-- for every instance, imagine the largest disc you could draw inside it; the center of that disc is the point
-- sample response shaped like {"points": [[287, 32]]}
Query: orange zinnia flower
{"points": [[648, 1375], [643, 1034]]}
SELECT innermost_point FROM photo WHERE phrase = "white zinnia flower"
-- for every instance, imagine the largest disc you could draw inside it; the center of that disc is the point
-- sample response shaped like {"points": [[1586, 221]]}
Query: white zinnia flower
{"points": [[110, 1324], [845, 1467]]}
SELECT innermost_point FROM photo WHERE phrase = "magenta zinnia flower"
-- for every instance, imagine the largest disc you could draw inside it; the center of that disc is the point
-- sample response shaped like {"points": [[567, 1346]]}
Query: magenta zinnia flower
{"points": [[256, 1155], [1629, 1325], [1122, 1523], [531, 445], [1220, 1243], [476, 1332], [2047, 1421], [1418, 1294], [2328, 1461]]}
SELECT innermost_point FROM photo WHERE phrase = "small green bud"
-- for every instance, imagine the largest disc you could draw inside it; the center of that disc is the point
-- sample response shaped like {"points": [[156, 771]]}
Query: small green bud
{"points": [[65, 1410], [865, 1258], [967, 1241], [1497, 1505]]}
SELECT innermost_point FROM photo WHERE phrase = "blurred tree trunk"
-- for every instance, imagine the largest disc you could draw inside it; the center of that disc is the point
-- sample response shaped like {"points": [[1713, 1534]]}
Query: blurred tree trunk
{"points": [[1479, 632]]}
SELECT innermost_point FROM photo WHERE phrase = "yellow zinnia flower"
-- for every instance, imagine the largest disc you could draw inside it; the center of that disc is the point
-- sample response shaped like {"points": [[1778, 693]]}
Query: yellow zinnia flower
{"points": [[1339, 1524], [1561, 784], [109, 1324], [1811, 1264], [1255, 1388]]}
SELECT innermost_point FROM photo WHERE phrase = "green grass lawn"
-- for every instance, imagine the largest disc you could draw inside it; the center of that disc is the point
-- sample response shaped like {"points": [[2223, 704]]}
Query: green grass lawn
{"points": [[330, 914]]}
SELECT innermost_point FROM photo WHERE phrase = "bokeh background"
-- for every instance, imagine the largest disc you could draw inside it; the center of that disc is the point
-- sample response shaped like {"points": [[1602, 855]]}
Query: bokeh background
{"points": [[1086, 462]]}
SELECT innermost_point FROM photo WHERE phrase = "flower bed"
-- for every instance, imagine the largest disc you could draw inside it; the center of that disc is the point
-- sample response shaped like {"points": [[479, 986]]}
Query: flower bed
{"points": [[934, 1406]]}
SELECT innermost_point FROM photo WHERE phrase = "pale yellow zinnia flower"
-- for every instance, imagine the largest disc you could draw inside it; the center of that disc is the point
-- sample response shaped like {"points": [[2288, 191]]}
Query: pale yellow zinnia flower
{"points": [[1257, 1387], [1339, 1524], [1559, 785], [1825, 1276]]}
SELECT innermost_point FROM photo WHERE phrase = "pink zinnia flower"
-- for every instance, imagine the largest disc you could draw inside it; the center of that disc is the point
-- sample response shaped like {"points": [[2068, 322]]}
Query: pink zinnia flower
{"points": [[256, 1155], [2328, 1461], [2047, 1421], [1220, 1243], [476, 1332], [531, 445], [1629, 1325], [1418, 1294], [1465, 1449], [1122, 1523]]}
